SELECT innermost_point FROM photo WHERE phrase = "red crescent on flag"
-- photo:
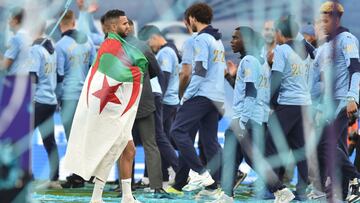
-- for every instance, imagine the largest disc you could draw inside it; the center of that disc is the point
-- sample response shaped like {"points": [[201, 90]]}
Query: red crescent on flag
{"points": [[114, 47]]}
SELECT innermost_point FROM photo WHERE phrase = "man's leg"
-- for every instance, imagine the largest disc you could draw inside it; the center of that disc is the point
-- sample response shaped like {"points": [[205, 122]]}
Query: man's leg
{"points": [[230, 153], [45, 121], [188, 116], [146, 127], [126, 165], [211, 146], [182, 173], [348, 170], [296, 140], [102, 171]]}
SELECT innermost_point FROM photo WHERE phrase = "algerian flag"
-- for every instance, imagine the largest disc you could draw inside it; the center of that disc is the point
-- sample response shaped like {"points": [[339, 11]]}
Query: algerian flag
{"points": [[107, 106]]}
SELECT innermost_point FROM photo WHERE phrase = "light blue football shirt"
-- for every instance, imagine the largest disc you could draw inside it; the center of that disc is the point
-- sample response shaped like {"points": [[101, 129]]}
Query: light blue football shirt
{"points": [[74, 60], [257, 109], [211, 53], [44, 65], [18, 50], [294, 87], [169, 62]]}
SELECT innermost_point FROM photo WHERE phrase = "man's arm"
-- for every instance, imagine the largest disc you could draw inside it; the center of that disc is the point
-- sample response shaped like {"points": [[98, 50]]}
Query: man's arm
{"points": [[184, 78], [278, 67], [196, 80], [350, 49], [230, 73], [201, 65], [10, 54]]}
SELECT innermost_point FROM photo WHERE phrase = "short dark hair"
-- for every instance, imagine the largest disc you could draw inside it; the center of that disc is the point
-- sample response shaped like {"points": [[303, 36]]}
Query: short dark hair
{"points": [[113, 14], [17, 13], [287, 26], [253, 41], [186, 16], [147, 31], [102, 19], [202, 12]]}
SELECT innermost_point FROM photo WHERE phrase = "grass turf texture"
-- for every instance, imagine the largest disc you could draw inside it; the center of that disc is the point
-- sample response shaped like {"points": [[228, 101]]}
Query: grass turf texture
{"points": [[244, 193]]}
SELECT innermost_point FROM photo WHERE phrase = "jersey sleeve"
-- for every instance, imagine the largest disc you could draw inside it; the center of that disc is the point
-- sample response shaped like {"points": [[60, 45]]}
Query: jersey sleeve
{"points": [[164, 60], [35, 61], [201, 51], [13, 49], [187, 52], [61, 60], [350, 48], [279, 60], [248, 71]]}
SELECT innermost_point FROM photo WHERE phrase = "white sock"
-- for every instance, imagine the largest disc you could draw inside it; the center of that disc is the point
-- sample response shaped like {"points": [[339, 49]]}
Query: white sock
{"points": [[126, 187], [98, 190]]}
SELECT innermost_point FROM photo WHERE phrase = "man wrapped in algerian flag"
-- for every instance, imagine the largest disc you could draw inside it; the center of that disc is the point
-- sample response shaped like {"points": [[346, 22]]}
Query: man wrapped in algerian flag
{"points": [[107, 107]]}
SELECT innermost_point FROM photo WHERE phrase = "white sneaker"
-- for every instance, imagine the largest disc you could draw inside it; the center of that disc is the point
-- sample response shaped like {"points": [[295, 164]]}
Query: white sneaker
{"points": [[209, 194], [315, 194], [129, 199], [172, 175], [199, 181], [49, 185], [223, 198], [283, 196]]}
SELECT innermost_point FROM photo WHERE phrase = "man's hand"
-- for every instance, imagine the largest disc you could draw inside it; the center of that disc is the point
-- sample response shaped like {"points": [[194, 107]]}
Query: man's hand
{"points": [[93, 7], [231, 68], [238, 128], [351, 108]]}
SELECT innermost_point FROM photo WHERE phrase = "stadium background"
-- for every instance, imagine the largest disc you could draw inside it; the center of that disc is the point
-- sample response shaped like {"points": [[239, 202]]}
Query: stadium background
{"points": [[227, 15]]}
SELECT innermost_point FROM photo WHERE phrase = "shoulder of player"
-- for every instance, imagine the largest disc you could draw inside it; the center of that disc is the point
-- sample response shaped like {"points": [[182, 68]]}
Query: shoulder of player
{"points": [[250, 60], [65, 40], [167, 51], [205, 37], [346, 37]]}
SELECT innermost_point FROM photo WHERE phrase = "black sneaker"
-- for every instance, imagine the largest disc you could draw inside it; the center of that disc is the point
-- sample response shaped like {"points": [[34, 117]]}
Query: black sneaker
{"points": [[161, 194], [73, 181], [140, 185], [240, 177], [354, 191]]}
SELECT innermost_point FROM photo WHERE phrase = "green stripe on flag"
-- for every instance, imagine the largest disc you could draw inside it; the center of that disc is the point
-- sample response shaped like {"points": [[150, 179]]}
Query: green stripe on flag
{"points": [[115, 69], [134, 54]]}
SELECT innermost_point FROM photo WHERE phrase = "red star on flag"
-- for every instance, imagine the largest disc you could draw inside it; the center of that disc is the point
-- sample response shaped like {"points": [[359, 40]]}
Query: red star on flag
{"points": [[107, 94]]}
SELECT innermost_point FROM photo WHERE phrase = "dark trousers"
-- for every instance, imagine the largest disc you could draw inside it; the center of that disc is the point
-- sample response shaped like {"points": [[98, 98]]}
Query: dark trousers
{"points": [[290, 119], [232, 158], [333, 154], [257, 144], [169, 113], [194, 111], [44, 120], [167, 151], [145, 129]]}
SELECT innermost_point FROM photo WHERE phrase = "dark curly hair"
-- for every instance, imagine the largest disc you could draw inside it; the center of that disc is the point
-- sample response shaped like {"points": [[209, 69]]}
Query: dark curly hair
{"points": [[202, 12]]}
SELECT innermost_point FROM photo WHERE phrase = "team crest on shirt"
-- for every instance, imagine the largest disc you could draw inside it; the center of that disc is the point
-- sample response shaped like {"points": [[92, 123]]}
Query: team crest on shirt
{"points": [[247, 72], [349, 48], [164, 62], [197, 51]]}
